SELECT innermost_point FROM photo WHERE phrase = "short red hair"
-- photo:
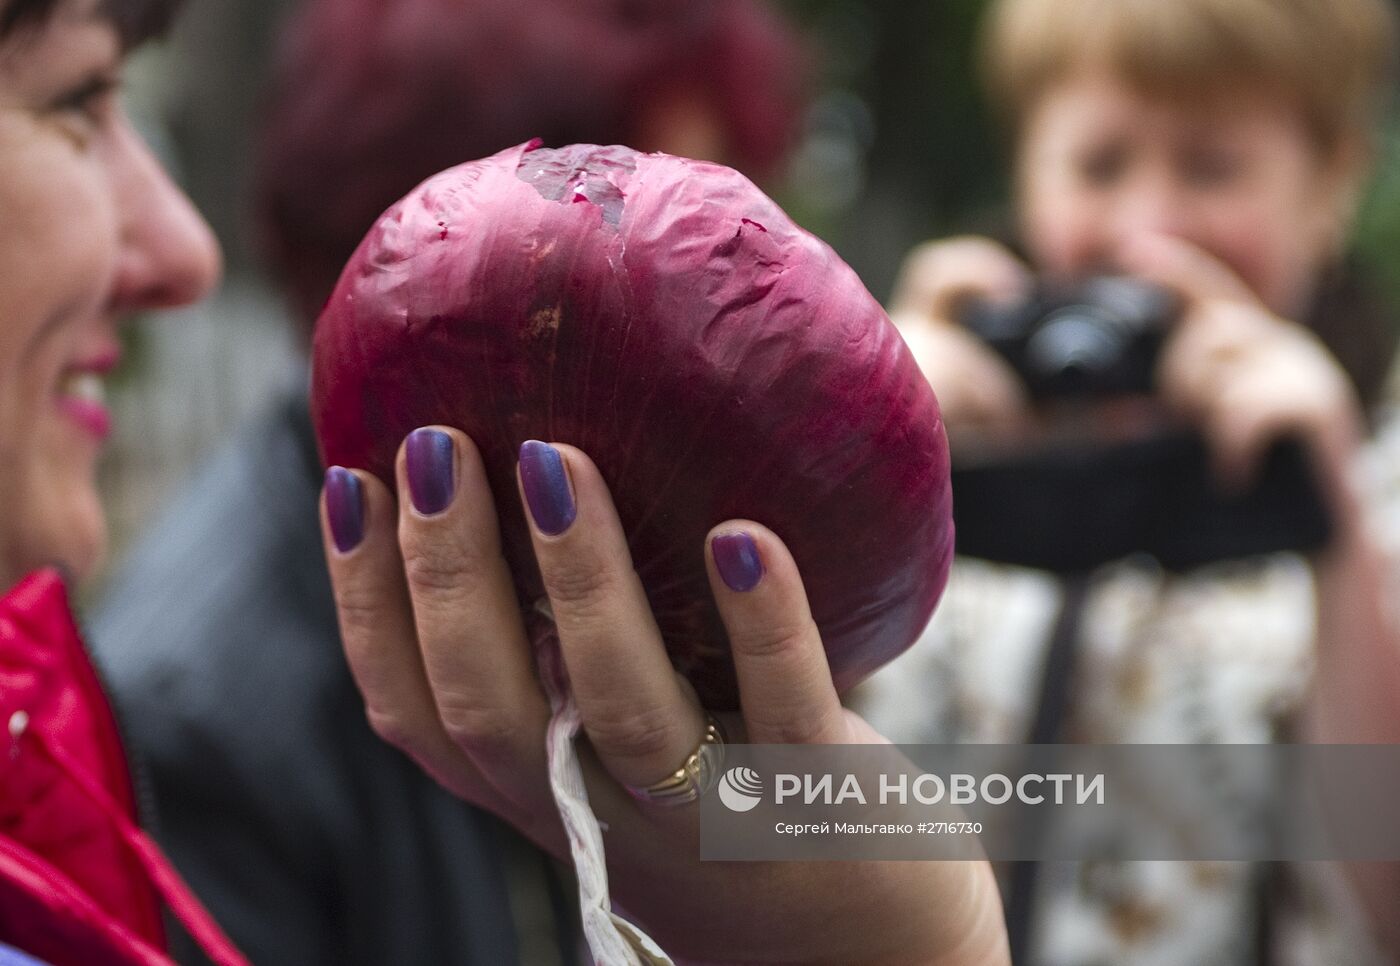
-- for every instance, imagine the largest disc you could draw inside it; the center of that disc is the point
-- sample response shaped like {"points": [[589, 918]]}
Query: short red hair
{"points": [[372, 96]]}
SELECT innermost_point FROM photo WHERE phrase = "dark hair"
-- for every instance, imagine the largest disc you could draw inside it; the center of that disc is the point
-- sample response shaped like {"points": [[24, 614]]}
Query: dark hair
{"points": [[372, 96], [136, 20]]}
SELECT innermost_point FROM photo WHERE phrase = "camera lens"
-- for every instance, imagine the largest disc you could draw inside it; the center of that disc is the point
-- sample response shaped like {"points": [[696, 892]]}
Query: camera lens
{"points": [[1074, 347]]}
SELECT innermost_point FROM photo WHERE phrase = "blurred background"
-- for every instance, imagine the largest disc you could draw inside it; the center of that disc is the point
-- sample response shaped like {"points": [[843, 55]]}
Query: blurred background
{"points": [[895, 147]]}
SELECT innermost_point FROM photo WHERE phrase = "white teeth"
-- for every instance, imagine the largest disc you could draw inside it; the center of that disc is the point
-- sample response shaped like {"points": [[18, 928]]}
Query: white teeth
{"points": [[87, 386]]}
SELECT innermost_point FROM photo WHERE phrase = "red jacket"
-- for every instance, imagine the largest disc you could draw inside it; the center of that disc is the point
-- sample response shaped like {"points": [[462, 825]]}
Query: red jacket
{"points": [[80, 884]]}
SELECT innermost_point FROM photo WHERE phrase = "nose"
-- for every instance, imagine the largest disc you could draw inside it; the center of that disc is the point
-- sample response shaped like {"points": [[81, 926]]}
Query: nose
{"points": [[1153, 204], [168, 254]]}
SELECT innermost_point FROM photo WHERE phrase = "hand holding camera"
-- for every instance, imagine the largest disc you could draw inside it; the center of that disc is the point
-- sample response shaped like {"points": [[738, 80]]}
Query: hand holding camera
{"points": [[1268, 418], [977, 390], [1244, 376]]}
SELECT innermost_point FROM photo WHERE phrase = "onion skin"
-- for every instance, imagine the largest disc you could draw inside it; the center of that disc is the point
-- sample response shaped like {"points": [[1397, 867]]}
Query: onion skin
{"points": [[714, 360]]}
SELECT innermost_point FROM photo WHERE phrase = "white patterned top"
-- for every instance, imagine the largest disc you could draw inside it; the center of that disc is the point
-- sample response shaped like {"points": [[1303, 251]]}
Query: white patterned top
{"points": [[1223, 654]]}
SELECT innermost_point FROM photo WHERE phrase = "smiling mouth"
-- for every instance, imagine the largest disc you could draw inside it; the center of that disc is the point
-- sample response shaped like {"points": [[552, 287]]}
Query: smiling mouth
{"points": [[82, 398]]}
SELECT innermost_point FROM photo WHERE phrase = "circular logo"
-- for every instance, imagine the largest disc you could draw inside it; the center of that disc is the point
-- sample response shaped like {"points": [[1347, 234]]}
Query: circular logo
{"points": [[740, 789]]}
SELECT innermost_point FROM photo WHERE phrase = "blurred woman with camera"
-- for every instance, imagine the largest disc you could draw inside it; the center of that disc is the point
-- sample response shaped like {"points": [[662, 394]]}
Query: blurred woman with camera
{"points": [[1217, 149]]}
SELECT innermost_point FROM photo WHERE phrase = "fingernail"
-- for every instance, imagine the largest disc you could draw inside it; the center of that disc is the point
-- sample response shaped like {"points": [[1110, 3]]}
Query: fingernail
{"points": [[431, 463], [546, 486], [345, 508], [737, 560]]}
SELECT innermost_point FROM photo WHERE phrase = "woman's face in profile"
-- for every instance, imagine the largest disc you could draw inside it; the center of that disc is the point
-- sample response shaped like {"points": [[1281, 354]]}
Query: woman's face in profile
{"points": [[91, 231], [1237, 175]]}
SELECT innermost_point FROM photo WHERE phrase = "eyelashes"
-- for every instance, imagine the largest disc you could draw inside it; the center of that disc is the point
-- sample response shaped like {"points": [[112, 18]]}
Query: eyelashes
{"points": [[89, 99]]}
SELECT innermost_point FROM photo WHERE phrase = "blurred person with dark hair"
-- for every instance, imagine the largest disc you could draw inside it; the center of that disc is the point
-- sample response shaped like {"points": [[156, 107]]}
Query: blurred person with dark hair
{"points": [[311, 840], [370, 97]]}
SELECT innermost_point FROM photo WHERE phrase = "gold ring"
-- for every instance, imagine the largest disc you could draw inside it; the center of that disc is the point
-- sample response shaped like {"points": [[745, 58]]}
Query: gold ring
{"points": [[696, 775]]}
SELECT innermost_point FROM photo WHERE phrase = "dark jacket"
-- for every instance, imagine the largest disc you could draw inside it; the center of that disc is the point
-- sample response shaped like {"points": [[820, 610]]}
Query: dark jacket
{"points": [[311, 840]]}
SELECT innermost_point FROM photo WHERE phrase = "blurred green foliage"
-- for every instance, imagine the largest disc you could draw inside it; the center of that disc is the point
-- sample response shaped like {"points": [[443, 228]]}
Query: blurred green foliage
{"points": [[899, 131], [1378, 227]]}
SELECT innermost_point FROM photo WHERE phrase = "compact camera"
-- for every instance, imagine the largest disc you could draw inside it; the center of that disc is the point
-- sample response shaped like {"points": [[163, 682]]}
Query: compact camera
{"points": [[1099, 337], [1070, 507]]}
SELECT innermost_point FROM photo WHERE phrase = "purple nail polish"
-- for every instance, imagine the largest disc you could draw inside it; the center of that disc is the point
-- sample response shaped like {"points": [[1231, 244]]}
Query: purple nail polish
{"points": [[737, 560], [546, 486], [345, 508], [431, 461]]}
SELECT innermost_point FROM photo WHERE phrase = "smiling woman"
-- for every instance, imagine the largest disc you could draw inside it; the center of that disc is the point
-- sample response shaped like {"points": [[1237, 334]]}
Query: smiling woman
{"points": [[93, 232]]}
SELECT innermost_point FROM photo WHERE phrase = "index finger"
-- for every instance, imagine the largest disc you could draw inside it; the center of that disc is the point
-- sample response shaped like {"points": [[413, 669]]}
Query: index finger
{"points": [[939, 278], [1187, 269], [785, 685], [377, 632]]}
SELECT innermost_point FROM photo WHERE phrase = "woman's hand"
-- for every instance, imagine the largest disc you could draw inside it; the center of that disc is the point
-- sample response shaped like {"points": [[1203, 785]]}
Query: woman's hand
{"points": [[977, 391], [435, 638], [1247, 377]]}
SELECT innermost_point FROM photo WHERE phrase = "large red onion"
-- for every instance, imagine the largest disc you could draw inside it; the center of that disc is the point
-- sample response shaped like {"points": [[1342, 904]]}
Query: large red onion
{"points": [[714, 360]]}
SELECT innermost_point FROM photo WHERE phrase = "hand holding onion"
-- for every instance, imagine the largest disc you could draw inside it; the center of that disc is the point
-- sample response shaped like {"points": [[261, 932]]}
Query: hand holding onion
{"points": [[696, 362], [438, 646], [1248, 377]]}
